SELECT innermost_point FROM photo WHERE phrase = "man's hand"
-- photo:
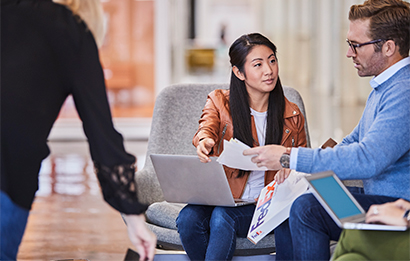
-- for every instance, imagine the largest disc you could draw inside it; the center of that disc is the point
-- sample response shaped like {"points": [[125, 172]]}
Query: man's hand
{"points": [[204, 148], [267, 156], [141, 237]]}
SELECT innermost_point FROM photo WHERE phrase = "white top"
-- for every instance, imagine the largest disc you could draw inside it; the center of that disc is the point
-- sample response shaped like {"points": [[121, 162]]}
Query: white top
{"points": [[256, 180]]}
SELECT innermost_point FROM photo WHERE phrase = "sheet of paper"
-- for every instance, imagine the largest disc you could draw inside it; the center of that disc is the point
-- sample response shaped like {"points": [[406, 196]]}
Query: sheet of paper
{"points": [[232, 156], [274, 205]]}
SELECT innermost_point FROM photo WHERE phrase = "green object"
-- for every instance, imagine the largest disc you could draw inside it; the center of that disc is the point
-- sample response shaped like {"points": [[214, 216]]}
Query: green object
{"points": [[373, 245]]}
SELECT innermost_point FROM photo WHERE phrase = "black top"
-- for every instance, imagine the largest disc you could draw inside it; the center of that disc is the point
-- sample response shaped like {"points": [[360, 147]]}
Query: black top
{"points": [[46, 55]]}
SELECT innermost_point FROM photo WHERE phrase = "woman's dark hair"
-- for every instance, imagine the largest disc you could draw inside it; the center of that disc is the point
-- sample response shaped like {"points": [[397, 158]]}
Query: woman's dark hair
{"points": [[239, 98]]}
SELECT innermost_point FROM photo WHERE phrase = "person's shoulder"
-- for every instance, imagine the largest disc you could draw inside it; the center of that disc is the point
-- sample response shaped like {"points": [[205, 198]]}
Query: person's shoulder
{"points": [[219, 97], [292, 107], [395, 93], [399, 82], [52, 11], [219, 94], [403, 73], [39, 12], [292, 110], [67, 26]]}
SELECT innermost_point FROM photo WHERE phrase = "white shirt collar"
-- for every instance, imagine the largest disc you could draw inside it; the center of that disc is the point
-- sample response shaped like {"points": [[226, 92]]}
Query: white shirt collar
{"points": [[389, 72]]}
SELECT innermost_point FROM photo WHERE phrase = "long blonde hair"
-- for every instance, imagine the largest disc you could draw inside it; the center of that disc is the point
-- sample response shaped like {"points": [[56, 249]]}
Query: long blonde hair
{"points": [[91, 12]]}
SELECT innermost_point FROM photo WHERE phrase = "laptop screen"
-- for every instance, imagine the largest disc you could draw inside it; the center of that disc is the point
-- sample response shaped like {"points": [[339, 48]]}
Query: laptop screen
{"points": [[335, 197]]}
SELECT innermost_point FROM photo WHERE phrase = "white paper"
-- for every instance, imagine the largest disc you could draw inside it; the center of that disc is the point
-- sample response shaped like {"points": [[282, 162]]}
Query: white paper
{"points": [[232, 156], [274, 204]]}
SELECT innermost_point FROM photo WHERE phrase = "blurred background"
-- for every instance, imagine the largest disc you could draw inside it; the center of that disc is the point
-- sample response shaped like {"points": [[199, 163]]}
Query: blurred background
{"points": [[151, 44]]}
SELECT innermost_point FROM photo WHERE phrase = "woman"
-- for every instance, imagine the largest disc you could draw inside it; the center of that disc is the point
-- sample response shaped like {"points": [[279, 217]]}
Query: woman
{"points": [[255, 111], [49, 53], [378, 245]]}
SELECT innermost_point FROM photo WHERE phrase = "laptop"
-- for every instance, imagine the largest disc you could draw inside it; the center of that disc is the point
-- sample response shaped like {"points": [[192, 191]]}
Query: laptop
{"points": [[340, 203], [185, 179]]}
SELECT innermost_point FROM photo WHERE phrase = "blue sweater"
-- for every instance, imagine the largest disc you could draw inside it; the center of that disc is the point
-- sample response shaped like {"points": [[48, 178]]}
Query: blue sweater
{"points": [[378, 149]]}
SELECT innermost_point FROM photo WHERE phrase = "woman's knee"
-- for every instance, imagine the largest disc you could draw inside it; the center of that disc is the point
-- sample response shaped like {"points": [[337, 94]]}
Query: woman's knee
{"points": [[190, 216], [221, 218]]}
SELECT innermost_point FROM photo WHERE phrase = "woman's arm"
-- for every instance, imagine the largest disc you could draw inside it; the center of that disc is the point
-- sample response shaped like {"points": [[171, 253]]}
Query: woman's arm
{"points": [[209, 123]]}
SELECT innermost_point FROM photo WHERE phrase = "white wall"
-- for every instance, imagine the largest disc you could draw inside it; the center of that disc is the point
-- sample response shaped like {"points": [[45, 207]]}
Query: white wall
{"points": [[310, 36]]}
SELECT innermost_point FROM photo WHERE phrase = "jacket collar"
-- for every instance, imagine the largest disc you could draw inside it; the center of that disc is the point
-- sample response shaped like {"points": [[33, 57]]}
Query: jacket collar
{"points": [[291, 109]]}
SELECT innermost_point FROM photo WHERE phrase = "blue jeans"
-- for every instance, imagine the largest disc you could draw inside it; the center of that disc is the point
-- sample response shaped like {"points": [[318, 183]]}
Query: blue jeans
{"points": [[13, 220], [307, 232], [209, 233]]}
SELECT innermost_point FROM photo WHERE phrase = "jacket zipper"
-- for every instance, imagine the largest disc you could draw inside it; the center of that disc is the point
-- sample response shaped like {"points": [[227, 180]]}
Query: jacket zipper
{"points": [[222, 138], [293, 142]]}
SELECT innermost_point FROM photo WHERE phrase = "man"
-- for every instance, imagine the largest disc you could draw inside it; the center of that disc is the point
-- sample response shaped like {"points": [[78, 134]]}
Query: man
{"points": [[378, 149]]}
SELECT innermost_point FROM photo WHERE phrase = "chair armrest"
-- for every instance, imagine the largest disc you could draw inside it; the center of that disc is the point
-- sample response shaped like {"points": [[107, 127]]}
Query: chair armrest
{"points": [[148, 190], [353, 183]]}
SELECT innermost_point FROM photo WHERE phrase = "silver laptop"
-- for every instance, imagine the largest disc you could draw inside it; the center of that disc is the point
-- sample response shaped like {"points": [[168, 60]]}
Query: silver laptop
{"points": [[340, 203], [185, 179]]}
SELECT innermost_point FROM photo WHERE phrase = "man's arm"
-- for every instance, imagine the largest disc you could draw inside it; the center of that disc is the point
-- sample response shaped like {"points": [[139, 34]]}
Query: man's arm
{"points": [[384, 143]]}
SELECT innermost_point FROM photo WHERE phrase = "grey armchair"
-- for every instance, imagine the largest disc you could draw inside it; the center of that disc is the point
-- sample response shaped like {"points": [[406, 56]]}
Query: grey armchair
{"points": [[174, 122]]}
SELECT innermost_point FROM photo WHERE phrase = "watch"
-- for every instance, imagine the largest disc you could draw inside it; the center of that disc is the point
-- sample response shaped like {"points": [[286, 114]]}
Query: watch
{"points": [[285, 158]]}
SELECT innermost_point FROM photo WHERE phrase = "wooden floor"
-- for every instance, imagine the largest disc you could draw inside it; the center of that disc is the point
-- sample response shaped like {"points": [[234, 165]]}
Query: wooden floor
{"points": [[69, 218], [83, 226]]}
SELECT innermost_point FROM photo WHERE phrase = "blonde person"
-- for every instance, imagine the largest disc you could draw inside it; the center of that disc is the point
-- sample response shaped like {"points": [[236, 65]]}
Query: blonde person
{"points": [[255, 111], [48, 52]]}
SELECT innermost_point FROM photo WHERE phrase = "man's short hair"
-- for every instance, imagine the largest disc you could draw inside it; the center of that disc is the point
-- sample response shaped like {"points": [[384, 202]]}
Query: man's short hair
{"points": [[389, 20]]}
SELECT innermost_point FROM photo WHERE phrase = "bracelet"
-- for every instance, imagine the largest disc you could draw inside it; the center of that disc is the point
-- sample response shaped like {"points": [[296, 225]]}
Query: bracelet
{"points": [[406, 215]]}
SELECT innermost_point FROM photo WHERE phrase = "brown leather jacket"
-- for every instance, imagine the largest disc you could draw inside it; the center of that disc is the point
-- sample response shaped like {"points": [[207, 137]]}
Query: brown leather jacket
{"points": [[216, 123]]}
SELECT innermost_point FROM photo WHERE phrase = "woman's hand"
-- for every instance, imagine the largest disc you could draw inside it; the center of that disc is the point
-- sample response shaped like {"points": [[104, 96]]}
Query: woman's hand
{"points": [[281, 175], [141, 237], [401, 203], [204, 148], [389, 213]]}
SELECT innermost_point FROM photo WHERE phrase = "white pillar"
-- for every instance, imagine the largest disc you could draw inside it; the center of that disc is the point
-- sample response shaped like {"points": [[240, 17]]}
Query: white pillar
{"points": [[324, 47], [162, 45]]}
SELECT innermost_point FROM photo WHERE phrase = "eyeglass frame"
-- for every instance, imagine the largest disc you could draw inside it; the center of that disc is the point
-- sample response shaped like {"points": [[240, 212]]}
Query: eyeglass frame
{"points": [[354, 46]]}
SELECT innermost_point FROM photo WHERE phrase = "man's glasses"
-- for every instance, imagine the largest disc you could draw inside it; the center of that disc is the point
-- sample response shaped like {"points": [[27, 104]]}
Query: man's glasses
{"points": [[354, 46]]}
